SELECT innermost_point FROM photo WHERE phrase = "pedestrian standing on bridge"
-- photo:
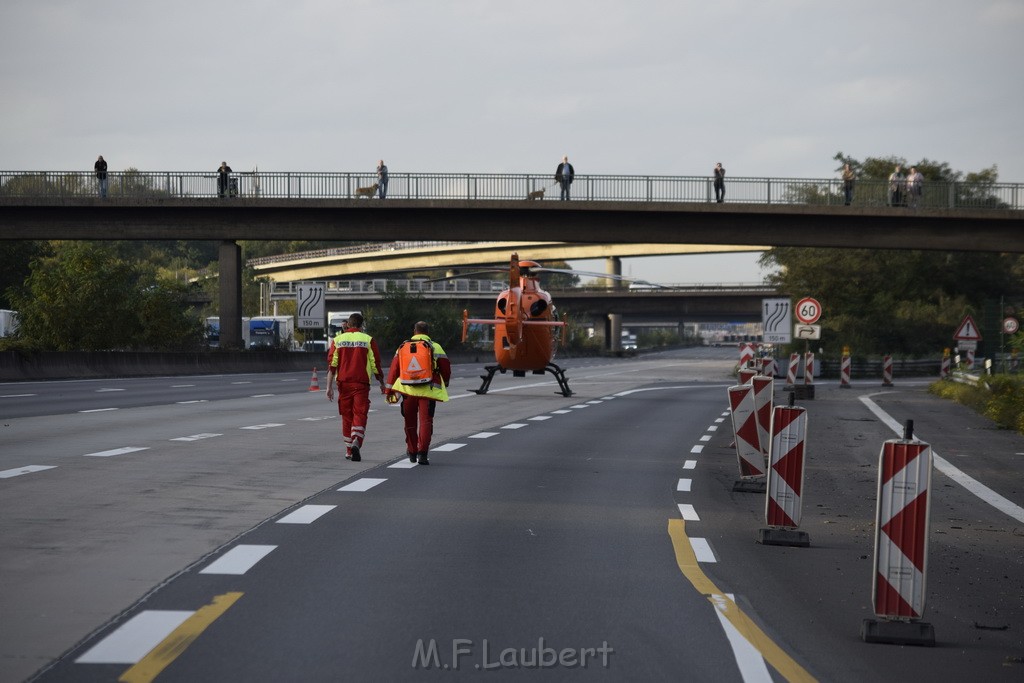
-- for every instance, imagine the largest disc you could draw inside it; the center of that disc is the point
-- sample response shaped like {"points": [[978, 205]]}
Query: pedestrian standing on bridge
{"points": [[382, 180], [915, 187], [223, 175], [564, 176], [719, 173], [356, 359], [100, 167], [896, 186], [420, 372], [849, 178]]}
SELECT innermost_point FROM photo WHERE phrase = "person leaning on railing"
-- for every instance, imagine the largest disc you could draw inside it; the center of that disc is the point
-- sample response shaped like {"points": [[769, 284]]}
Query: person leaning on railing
{"points": [[223, 173]]}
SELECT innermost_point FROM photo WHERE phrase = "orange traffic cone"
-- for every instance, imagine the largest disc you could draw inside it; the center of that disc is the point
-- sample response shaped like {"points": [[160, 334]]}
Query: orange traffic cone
{"points": [[314, 384]]}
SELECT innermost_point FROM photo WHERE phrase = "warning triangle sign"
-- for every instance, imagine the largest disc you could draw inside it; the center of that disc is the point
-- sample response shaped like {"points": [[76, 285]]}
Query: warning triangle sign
{"points": [[968, 330], [413, 365]]}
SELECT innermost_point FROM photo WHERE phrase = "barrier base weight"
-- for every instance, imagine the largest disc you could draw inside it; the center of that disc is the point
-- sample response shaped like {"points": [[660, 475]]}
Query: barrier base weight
{"points": [[759, 485], [791, 537], [803, 392], [897, 632]]}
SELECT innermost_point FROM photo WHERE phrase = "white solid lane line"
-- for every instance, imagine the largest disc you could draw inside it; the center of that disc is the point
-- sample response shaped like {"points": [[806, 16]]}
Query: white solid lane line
{"points": [[959, 476]]}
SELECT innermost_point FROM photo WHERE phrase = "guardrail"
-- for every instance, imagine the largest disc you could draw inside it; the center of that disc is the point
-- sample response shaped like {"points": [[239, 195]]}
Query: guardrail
{"points": [[493, 186]]}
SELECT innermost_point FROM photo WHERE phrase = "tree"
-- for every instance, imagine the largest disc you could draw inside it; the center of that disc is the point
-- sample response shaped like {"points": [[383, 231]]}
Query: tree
{"points": [[391, 321], [15, 265], [84, 297]]}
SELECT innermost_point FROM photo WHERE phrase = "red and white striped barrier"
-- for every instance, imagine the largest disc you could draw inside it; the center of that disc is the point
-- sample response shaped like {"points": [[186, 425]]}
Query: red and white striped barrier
{"points": [[768, 366], [944, 369], [764, 393], [746, 374], [844, 372], [887, 371], [744, 427], [784, 503], [901, 529], [809, 367], [746, 354], [794, 364]]}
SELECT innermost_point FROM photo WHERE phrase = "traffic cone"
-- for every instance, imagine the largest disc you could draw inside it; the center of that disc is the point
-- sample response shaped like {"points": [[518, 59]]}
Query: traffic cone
{"points": [[314, 384]]}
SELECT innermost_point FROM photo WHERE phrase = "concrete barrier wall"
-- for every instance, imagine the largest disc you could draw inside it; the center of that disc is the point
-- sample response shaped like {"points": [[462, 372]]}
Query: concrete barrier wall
{"points": [[16, 366]]}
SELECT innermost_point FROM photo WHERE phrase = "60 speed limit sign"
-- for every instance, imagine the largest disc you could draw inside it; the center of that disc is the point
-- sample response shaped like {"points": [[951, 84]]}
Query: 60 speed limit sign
{"points": [[808, 310]]}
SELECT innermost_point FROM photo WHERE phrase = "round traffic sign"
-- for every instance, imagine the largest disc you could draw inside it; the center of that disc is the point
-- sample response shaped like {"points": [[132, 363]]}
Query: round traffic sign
{"points": [[1010, 325], [808, 310]]}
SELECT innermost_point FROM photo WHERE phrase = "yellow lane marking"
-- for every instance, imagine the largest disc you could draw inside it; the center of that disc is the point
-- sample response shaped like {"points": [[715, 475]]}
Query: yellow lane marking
{"points": [[161, 656], [772, 653]]}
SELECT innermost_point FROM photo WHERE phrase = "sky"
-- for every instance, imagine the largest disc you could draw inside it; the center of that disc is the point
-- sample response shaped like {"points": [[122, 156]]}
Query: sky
{"points": [[669, 87]]}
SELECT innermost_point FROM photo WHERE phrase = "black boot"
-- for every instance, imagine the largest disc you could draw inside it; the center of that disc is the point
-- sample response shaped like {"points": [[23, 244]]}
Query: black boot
{"points": [[422, 458]]}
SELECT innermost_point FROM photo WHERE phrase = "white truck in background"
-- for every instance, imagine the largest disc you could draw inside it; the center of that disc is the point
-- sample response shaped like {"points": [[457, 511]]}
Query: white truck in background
{"points": [[8, 322], [336, 322]]}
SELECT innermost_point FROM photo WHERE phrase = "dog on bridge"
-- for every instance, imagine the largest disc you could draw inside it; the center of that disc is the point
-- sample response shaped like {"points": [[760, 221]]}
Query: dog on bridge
{"points": [[537, 194], [366, 191]]}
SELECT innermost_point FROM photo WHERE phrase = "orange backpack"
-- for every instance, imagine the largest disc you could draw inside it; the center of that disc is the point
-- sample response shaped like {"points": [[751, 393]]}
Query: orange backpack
{"points": [[416, 361]]}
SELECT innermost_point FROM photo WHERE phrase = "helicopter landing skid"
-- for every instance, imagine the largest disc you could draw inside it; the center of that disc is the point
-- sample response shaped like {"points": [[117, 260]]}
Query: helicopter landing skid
{"points": [[559, 373]]}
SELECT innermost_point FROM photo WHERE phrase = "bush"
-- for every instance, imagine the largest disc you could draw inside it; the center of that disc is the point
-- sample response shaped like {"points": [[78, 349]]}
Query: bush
{"points": [[999, 398]]}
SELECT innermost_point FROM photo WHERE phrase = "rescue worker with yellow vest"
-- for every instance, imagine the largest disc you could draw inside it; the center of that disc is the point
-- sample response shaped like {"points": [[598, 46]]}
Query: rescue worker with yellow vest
{"points": [[355, 360], [420, 372]]}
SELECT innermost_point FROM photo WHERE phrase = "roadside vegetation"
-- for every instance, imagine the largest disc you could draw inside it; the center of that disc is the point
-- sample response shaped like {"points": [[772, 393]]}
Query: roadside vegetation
{"points": [[999, 398]]}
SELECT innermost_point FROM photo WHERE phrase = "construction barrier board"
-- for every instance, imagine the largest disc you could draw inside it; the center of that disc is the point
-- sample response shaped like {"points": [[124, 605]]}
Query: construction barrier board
{"points": [[784, 502], [901, 529], [764, 392], [744, 426]]}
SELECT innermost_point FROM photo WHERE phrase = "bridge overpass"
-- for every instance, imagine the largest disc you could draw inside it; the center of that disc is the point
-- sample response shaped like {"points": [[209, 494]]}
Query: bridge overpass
{"points": [[468, 207], [413, 256]]}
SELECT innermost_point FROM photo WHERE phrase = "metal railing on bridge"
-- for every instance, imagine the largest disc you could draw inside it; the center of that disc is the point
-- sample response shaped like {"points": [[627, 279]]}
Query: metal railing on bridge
{"points": [[496, 186]]}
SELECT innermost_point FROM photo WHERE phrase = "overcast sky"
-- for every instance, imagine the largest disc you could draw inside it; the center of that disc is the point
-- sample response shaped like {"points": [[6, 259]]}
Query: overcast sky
{"points": [[767, 87]]}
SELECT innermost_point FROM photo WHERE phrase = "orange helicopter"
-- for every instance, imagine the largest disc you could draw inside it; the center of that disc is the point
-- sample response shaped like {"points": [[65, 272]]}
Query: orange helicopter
{"points": [[525, 325]]}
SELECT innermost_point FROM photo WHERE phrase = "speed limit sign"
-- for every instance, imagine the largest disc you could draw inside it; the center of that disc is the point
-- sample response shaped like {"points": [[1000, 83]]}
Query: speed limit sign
{"points": [[808, 310], [1010, 325]]}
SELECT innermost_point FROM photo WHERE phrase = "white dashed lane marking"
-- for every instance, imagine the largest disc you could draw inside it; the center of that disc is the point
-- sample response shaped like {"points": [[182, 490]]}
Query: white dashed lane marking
{"points": [[266, 426], [361, 485], [135, 637], [117, 451], [515, 425], [483, 435], [684, 485], [195, 437], [27, 469], [702, 550], [688, 513], [696, 449], [307, 514], [447, 447], [238, 560], [690, 464]]}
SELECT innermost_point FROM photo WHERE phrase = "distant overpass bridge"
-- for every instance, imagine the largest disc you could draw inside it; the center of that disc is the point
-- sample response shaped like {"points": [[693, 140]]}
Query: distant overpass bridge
{"points": [[413, 256], [466, 206], [719, 302]]}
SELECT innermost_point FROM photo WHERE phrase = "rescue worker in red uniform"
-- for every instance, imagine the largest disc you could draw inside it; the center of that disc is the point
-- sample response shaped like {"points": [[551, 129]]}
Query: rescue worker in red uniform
{"points": [[420, 393], [355, 360]]}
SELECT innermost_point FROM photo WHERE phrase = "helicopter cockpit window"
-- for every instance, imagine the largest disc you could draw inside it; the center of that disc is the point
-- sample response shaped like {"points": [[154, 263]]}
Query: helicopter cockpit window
{"points": [[537, 308]]}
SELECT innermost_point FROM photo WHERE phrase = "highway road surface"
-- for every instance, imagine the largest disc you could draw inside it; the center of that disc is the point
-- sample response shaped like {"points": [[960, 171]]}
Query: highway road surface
{"points": [[208, 529]]}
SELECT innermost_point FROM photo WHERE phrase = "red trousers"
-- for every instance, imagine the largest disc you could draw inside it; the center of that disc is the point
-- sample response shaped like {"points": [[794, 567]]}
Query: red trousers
{"points": [[353, 406], [418, 409]]}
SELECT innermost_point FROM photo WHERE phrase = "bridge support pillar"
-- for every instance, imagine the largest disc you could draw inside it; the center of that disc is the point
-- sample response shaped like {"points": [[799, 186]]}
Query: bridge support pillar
{"points": [[615, 332], [230, 260]]}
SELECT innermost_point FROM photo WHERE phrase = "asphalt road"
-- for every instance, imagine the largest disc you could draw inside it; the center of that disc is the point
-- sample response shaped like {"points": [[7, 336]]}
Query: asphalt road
{"points": [[599, 528]]}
